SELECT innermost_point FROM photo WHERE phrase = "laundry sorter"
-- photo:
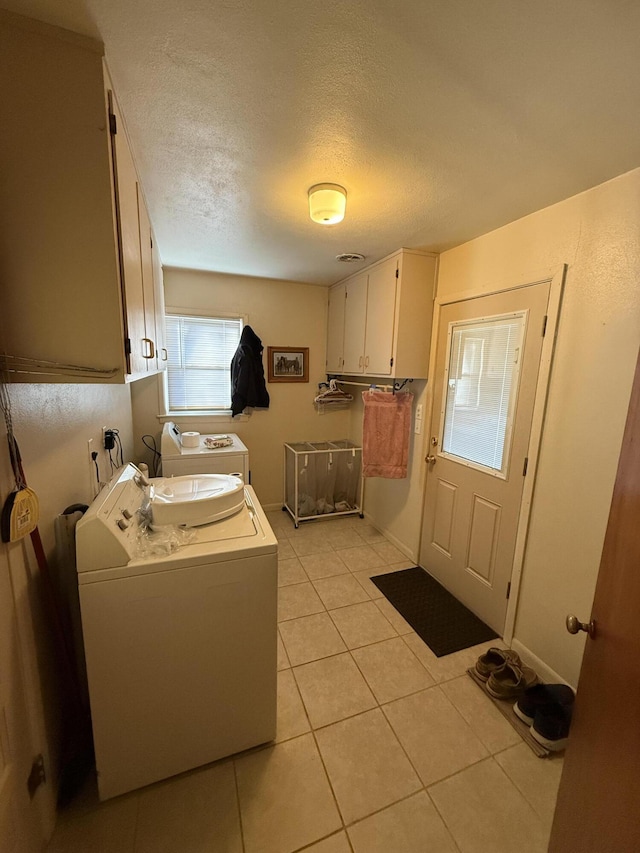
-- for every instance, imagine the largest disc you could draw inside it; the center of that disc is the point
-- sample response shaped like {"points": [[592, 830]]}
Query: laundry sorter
{"points": [[322, 479]]}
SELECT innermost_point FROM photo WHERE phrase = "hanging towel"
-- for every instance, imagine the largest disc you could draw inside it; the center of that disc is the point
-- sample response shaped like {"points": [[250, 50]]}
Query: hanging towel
{"points": [[385, 434]]}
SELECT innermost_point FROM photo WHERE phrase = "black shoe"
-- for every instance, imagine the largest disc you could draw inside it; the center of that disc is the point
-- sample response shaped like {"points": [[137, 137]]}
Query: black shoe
{"points": [[551, 725], [539, 696]]}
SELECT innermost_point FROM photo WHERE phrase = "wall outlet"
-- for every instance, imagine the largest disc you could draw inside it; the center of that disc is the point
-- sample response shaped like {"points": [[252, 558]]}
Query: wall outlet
{"points": [[419, 412], [418, 425]]}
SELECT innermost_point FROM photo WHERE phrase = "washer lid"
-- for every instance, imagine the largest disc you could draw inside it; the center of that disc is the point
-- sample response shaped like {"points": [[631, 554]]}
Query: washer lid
{"points": [[195, 499]]}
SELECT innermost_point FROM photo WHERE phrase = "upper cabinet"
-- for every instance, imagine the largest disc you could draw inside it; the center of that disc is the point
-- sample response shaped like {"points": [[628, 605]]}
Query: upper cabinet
{"points": [[383, 327], [79, 286]]}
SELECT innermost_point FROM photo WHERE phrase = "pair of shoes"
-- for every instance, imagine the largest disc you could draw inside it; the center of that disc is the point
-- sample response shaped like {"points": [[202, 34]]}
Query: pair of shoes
{"points": [[547, 708], [493, 659], [504, 673], [511, 680]]}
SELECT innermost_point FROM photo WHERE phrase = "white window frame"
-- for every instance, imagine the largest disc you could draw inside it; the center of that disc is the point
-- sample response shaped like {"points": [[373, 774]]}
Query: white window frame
{"points": [[192, 414], [503, 472]]}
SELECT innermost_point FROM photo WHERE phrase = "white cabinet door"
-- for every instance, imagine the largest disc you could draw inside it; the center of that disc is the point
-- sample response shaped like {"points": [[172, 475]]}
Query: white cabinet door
{"points": [[129, 244], [158, 291], [381, 303], [335, 328], [355, 319], [150, 343]]}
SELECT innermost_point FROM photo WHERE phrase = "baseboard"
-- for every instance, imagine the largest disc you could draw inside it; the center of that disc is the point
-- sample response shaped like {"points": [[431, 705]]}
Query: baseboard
{"points": [[547, 675], [271, 507], [393, 539]]}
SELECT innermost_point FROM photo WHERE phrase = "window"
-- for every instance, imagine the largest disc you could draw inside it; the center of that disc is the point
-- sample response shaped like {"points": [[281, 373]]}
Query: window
{"points": [[198, 369], [482, 384]]}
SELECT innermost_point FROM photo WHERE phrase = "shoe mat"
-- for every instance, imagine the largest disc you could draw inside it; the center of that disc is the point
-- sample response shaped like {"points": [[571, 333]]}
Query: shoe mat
{"points": [[505, 706]]}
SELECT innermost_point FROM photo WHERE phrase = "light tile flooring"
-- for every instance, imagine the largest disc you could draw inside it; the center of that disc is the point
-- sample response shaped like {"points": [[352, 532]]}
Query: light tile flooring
{"points": [[381, 746]]}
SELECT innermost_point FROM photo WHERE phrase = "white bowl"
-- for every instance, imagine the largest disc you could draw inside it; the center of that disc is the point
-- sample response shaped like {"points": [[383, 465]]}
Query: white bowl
{"points": [[195, 499]]}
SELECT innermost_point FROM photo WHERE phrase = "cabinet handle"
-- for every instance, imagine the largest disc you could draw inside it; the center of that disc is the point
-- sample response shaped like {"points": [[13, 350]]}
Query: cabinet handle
{"points": [[360, 362], [150, 348], [366, 362], [165, 354]]}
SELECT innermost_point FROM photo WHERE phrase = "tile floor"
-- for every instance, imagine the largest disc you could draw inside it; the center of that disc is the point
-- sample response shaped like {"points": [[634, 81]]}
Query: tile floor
{"points": [[381, 747]]}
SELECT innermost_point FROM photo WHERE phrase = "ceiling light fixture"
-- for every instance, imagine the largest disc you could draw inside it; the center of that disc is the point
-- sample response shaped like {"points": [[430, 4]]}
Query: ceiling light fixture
{"points": [[350, 257], [327, 203]]}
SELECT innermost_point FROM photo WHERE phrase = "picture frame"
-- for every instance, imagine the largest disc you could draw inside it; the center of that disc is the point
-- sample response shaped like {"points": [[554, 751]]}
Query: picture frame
{"points": [[288, 364]]}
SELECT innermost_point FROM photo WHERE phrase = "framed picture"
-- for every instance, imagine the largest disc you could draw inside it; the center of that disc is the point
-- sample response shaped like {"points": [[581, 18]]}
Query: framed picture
{"points": [[288, 364]]}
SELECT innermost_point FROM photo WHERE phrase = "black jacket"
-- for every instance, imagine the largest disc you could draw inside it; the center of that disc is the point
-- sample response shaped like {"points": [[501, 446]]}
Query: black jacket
{"points": [[247, 374]]}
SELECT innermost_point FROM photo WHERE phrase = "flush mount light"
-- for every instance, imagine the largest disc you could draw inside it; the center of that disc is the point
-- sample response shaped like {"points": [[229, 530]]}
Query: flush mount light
{"points": [[327, 203]]}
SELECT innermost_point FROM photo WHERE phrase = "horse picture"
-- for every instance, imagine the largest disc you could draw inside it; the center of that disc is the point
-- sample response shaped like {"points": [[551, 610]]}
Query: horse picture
{"points": [[288, 364]]}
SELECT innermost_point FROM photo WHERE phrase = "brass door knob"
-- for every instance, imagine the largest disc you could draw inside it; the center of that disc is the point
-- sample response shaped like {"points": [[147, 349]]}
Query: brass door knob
{"points": [[574, 626], [430, 460]]}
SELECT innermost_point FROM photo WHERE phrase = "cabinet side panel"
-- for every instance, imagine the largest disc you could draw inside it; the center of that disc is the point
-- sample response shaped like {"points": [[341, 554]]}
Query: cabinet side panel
{"points": [[414, 315], [58, 262]]}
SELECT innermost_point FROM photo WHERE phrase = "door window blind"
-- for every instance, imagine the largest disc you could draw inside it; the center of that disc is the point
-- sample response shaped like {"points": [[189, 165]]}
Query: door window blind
{"points": [[198, 369], [482, 384]]}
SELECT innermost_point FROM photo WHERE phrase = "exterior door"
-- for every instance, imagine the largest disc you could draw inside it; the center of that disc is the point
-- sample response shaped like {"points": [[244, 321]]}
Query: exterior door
{"points": [[597, 808], [487, 362]]}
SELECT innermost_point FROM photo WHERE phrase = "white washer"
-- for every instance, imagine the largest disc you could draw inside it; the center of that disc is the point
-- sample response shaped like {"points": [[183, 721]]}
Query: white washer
{"points": [[180, 649], [177, 460]]}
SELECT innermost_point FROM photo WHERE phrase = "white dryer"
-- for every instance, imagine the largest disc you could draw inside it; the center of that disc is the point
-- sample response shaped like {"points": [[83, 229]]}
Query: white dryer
{"points": [[178, 459], [180, 648]]}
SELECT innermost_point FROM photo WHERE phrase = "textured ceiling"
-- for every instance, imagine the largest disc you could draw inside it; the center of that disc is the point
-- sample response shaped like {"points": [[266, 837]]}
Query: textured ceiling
{"points": [[443, 120]]}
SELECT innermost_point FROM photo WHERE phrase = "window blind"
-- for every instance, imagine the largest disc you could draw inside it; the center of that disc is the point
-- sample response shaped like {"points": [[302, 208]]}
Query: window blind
{"points": [[482, 382], [200, 353]]}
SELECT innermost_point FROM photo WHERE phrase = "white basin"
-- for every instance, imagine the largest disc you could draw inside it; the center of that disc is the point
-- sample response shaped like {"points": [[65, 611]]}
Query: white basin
{"points": [[195, 499]]}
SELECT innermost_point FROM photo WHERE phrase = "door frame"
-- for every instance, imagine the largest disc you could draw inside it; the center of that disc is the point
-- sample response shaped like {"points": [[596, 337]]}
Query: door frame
{"points": [[556, 277]]}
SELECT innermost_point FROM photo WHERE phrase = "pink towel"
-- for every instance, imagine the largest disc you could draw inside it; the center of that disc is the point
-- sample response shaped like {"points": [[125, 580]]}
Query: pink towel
{"points": [[385, 434]]}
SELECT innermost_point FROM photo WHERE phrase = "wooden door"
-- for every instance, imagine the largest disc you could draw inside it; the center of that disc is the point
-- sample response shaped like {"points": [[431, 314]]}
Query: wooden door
{"points": [[599, 796], [487, 363], [355, 319], [381, 304], [335, 328], [20, 829]]}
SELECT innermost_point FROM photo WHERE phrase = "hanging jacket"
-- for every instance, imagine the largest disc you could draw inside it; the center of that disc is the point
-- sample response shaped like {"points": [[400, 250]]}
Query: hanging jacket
{"points": [[248, 387]]}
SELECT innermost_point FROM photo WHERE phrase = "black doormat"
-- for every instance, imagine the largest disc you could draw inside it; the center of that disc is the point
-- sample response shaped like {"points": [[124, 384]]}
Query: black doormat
{"points": [[435, 615]]}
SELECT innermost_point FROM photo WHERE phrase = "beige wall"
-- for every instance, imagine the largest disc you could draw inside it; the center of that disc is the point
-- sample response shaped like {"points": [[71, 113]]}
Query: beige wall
{"points": [[281, 314], [597, 234], [52, 425], [395, 506]]}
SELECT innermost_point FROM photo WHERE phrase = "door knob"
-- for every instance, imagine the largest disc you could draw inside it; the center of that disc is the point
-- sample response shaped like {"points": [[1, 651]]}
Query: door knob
{"points": [[574, 626], [430, 460]]}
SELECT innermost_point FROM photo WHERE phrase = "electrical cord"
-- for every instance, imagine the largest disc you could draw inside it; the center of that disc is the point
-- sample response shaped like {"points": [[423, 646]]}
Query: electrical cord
{"points": [[94, 456], [155, 464], [113, 441]]}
